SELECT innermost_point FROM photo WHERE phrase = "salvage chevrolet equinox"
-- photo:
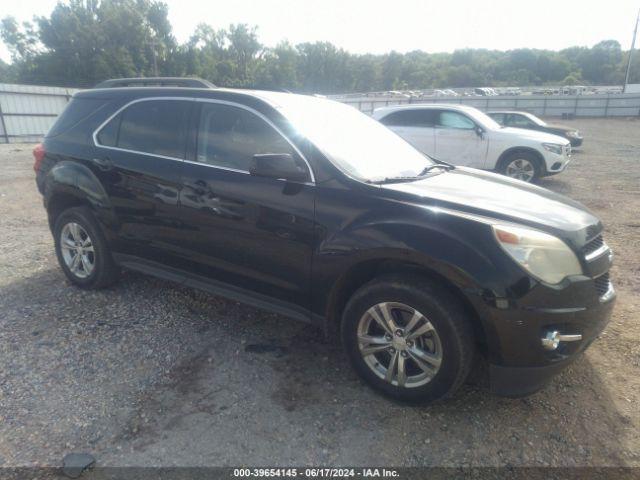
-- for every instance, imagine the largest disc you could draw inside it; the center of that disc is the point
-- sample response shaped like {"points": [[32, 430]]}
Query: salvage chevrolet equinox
{"points": [[311, 209]]}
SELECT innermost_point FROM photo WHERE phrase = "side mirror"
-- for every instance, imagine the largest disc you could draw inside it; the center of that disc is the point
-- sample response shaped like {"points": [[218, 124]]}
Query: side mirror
{"points": [[277, 165], [479, 132]]}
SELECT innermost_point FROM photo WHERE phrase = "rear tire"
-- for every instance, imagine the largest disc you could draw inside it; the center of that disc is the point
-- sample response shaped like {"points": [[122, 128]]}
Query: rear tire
{"points": [[82, 250], [523, 166], [396, 361]]}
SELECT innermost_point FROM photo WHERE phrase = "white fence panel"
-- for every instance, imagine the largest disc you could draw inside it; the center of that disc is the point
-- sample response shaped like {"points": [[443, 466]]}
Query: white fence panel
{"points": [[28, 111], [598, 105]]}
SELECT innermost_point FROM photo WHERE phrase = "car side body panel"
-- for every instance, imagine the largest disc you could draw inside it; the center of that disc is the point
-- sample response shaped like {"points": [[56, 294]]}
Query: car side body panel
{"points": [[378, 227]]}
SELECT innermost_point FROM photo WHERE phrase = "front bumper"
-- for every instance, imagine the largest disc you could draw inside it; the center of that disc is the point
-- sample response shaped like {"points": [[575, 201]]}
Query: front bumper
{"points": [[575, 141], [522, 381], [518, 362], [556, 163]]}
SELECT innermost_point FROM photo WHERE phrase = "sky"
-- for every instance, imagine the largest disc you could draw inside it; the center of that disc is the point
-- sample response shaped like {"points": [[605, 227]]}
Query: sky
{"points": [[372, 26]]}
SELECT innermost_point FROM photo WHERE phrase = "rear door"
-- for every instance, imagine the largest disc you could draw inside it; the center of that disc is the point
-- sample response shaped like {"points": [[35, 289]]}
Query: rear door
{"points": [[416, 126], [139, 159], [456, 140], [253, 233]]}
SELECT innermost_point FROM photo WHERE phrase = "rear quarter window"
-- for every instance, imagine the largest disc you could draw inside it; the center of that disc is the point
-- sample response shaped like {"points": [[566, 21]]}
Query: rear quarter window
{"points": [[77, 110]]}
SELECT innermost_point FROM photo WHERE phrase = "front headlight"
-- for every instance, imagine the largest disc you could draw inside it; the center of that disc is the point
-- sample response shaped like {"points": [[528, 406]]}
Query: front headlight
{"points": [[573, 134], [553, 148], [542, 255]]}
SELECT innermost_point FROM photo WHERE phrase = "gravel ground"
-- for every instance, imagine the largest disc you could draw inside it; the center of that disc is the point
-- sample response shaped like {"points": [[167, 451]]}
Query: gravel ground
{"points": [[148, 373]]}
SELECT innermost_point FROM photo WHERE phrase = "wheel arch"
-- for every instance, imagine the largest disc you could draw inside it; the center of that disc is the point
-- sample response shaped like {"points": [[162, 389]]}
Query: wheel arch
{"points": [[70, 184], [363, 272], [504, 156], [61, 201]]}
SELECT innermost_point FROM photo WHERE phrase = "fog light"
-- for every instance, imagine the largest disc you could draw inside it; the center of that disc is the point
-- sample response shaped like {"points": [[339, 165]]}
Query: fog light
{"points": [[556, 166], [552, 339]]}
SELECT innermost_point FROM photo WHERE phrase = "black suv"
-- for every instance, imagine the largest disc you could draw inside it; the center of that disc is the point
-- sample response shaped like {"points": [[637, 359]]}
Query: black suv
{"points": [[311, 209]]}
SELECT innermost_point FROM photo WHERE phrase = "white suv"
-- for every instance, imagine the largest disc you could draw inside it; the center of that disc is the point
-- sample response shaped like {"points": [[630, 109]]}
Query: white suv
{"points": [[463, 135]]}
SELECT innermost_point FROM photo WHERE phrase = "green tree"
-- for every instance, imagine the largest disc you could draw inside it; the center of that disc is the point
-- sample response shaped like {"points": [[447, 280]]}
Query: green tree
{"points": [[599, 63], [85, 41], [572, 79], [279, 68], [7, 73], [22, 41]]}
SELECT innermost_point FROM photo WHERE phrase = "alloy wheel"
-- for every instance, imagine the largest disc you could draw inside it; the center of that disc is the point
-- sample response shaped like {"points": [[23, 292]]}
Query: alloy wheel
{"points": [[77, 250], [399, 344], [521, 169]]}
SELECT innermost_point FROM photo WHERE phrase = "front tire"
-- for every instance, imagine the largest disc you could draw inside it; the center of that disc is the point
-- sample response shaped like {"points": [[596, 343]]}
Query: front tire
{"points": [[523, 166], [82, 250], [408, 338]]}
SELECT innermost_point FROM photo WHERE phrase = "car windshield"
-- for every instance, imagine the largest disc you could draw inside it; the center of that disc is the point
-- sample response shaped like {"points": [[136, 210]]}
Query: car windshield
{"points": [[357, 144]]}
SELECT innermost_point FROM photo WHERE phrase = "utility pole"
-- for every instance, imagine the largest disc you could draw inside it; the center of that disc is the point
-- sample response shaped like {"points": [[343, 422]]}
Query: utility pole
{"points": [[154, 43], [633, 42]]}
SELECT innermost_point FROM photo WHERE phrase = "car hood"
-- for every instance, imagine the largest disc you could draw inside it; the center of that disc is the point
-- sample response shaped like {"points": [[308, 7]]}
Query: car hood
{"points": [[470, 191], [533, 135]]}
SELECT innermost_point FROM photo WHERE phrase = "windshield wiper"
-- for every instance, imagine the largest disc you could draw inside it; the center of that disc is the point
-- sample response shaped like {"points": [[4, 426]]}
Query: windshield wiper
{"points": [[394, 180], [413, 178], [444, 166]]}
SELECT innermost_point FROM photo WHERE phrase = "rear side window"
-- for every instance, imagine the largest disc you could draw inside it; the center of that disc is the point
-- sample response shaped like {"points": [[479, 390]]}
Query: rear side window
{"points": [[76, 110], [410, 118], [158, 127]]}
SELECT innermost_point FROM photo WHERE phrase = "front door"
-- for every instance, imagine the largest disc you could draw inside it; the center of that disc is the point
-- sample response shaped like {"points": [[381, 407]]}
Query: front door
{"points": [[255, 234], [458, 142], [416, 126]]}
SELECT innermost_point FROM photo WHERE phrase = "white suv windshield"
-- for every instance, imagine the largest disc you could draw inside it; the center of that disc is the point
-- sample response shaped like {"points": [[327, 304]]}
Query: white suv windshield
{"points": [[357, 144]]}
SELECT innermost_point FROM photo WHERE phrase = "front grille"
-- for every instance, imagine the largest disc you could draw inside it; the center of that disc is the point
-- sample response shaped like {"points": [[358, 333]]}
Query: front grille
{"points": [[567, 150], [593, 245], [602, 284]]}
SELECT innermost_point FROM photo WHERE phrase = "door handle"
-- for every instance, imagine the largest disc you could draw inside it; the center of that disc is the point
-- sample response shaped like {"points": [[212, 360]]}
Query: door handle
{"points": [[103, 164]]}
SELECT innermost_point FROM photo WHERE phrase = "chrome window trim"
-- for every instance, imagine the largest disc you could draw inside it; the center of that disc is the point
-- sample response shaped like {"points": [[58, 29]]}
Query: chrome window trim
{"points": [[202, 100]]}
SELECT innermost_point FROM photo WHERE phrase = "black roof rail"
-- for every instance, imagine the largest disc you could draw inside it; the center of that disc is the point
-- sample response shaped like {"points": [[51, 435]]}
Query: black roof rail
{"points": [[185, 82]]}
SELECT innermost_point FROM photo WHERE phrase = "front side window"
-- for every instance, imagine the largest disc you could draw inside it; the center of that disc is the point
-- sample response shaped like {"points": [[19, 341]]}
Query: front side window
{"points": [[455, 120], [230, 136], [158, 127]]}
